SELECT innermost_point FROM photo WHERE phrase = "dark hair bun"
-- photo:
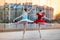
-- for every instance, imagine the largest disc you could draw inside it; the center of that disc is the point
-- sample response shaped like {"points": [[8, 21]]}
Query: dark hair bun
{"points": [[25, 9], [40, 10]]}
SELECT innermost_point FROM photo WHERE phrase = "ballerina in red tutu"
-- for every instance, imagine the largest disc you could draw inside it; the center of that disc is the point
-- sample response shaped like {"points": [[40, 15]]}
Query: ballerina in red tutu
{"points": [[39, 19]]}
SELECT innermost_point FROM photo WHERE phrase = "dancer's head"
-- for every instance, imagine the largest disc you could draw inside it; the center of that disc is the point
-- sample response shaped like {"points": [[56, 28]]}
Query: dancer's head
{"points": [[39, 11], [25, 9], [42, 12]]}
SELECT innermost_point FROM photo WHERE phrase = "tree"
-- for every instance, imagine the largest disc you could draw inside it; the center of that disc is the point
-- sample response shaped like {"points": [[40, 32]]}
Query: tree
{"points": [[58, 18]]}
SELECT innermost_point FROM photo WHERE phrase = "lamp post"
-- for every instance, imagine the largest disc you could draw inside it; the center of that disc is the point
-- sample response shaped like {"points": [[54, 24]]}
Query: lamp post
{"points": [[9, 12]]}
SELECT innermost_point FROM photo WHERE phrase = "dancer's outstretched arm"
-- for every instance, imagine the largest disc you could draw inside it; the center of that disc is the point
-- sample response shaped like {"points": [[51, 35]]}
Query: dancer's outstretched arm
{"points": [[17, 18], [47, 18]]}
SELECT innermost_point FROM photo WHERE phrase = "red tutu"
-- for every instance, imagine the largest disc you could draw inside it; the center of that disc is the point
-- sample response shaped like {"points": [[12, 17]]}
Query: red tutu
{"points": [[39, 20]]}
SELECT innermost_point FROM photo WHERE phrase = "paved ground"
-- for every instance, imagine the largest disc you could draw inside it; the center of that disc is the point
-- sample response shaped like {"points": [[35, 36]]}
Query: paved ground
{"points": [[51, 34]]}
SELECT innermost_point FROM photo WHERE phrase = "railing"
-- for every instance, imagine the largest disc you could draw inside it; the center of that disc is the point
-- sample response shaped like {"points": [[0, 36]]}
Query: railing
{"points": [[15, 27]]}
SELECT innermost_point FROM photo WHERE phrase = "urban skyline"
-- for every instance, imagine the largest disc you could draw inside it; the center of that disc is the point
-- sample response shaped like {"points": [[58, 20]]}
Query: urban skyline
{"points": [[52, 3]]}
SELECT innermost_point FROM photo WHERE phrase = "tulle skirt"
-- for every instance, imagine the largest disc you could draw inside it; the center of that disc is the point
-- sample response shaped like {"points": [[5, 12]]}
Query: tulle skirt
{"points": [[39, 21], [25, 20]]}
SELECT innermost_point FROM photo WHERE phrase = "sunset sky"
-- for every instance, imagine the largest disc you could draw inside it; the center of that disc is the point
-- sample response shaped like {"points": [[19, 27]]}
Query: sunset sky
{"points": [[52, 3]]}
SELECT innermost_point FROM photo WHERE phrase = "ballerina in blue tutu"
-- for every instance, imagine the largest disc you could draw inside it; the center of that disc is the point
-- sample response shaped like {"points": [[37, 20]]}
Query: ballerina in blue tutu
{"points": [[24, 19]]}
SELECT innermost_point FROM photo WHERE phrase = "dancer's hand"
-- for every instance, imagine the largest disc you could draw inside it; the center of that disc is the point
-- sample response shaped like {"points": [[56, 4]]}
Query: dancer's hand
{"points": [[16, 22]]}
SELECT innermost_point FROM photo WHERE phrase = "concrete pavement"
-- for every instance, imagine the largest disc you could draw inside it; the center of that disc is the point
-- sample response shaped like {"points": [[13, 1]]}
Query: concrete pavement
{"points": [[51, 34]]}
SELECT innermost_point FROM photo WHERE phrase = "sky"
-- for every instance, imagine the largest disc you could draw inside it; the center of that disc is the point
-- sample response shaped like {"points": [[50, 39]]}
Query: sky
{"points": [[52, 3]]}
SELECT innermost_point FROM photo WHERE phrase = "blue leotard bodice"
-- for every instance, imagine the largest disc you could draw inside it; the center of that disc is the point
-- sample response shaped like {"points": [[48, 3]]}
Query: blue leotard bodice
{"points": [[25, 16]]}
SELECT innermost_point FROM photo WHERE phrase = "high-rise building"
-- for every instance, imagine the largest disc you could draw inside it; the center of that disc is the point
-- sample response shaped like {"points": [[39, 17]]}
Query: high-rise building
{"points": [[49, 12]]}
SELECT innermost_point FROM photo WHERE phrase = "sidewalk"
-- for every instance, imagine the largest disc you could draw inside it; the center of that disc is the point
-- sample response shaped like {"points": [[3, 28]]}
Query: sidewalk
{"points": [[52, 34]]}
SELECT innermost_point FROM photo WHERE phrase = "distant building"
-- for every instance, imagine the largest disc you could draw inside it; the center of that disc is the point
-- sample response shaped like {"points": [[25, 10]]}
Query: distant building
{"points": [[49, 12], [11, 11]]}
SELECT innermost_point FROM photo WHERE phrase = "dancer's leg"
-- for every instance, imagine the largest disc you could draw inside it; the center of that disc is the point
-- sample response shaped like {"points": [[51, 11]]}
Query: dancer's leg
{"points": [[39, 31], [24, 30]]}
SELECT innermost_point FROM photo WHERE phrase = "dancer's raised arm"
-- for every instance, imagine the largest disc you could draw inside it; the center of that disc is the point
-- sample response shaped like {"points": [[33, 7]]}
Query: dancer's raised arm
{"points": [[46, 18], [30, 10]]}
